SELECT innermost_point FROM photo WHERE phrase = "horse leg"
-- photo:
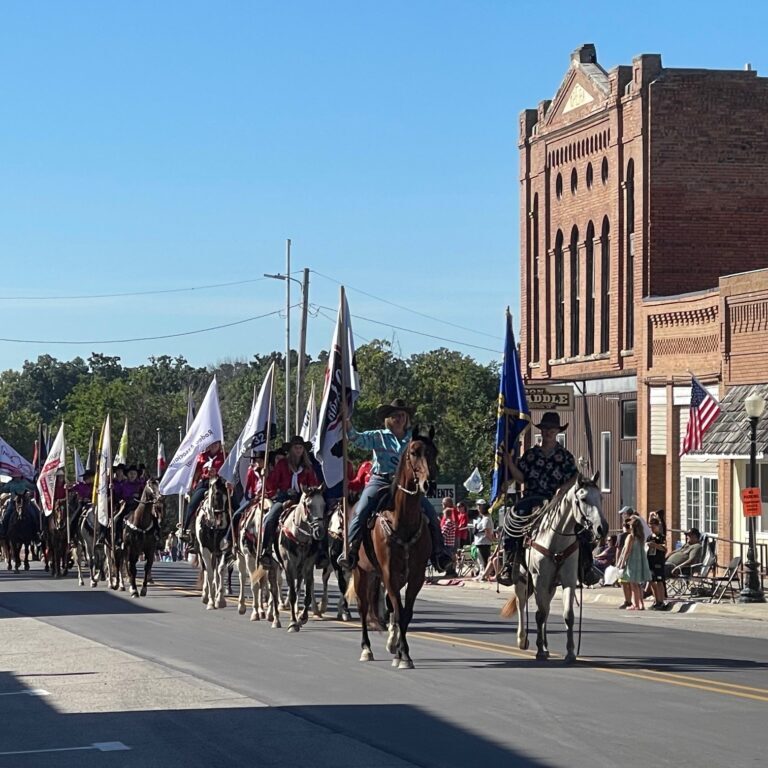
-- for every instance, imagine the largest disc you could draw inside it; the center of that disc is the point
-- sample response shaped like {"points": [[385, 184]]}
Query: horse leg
{"points": [[133, 560], [274, 589], [26, 556], [415, 583], [342, 611], [309, 589], [568, 594], [241, 574], [521, 590], [292, 578], [148, 562], [361, 580], [207, 595], [16, 557], [543, 598], [221, 570], [320, 610]]}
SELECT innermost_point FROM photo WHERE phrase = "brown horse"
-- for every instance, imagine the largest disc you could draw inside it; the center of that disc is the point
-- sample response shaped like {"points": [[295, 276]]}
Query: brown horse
{"points": [[397, 550], [56, 538], [22, 530], [140, 535]]}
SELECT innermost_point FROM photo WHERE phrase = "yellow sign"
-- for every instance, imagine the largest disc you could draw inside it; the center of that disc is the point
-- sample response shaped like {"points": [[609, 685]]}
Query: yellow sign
{"points": [[750, 500], [552, 398]]}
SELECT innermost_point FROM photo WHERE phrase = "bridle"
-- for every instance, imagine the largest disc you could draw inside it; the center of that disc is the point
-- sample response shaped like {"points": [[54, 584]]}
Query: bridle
{"points": [[153, 501], [414, 471], [303, 521]]}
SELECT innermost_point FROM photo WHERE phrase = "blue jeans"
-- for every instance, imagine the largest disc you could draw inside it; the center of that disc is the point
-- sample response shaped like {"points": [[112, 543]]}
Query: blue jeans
{"points": [[368, 502], [195, 500]]}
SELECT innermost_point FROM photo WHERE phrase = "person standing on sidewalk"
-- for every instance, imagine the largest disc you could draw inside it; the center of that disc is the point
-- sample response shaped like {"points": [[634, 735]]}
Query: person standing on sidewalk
{"points": [[657, 552], [484, 536], [634, 564]]}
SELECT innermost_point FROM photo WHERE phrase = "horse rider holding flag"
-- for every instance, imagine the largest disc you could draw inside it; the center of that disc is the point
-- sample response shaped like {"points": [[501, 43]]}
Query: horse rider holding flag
{"points": [[207, 467], [387, 446], [542, 469]]}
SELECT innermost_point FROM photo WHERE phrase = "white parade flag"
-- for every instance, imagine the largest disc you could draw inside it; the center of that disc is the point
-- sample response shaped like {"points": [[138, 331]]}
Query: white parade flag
{"points": [[103, 473], [122, 448], [254, 434], [79, 468], [474, 483], [309, 425], [46, 483], [12, 462], [327, 441], [205, 429]]}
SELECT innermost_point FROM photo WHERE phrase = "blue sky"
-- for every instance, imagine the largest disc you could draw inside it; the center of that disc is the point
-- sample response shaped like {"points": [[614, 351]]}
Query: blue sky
{"points": [[154, 145]]}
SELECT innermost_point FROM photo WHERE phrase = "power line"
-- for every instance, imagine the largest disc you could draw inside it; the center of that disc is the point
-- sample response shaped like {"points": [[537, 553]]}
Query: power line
{"points": [[146, 338], [332, 320], [419, 333], [408, 309], [132, 293]]}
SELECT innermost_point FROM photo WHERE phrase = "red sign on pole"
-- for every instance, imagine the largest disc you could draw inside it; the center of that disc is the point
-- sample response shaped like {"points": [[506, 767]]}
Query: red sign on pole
{"points": [[750, 500]]}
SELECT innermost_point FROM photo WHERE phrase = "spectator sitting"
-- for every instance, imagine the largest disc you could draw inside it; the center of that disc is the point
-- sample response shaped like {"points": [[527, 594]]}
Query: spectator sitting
{"points": [[690, 554], [607, 555]]}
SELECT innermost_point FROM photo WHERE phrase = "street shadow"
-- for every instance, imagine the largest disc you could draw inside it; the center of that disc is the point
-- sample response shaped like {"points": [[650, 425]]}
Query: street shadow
{"points": [[676, 663], [318, 736], [74, 603]]}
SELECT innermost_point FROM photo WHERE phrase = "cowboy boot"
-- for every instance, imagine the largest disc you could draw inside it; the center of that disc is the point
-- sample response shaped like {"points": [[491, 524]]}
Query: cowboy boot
{"points": [[510, 570], [349, 561]]}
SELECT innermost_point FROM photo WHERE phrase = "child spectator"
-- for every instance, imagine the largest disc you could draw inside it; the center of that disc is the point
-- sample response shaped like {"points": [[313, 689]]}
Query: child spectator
{"points": [[634, 564]]}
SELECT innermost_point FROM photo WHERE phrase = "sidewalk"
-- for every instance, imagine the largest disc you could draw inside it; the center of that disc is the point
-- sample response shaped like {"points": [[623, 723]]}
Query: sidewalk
{"points": [[612, 597]]}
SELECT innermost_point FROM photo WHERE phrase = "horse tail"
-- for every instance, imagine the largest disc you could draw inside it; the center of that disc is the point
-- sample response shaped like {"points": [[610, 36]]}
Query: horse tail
{"points": [[351, 593], [509, 608]]}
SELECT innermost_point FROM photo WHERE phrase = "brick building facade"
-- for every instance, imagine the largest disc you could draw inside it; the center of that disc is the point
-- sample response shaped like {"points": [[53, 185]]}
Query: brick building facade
{"points": [[636, 182]]}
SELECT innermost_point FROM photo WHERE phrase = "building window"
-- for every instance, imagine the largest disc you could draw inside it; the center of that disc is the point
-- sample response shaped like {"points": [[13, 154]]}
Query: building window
{"points": [[559, 297], [538, 439], [575, 299], [559, 185], [605, 462], [590, 176], [561, 438], [574, 181], [604, 170], [701, 501], [630, 261], [535, 288], [605, 286], [629, 419], [589, 266]]}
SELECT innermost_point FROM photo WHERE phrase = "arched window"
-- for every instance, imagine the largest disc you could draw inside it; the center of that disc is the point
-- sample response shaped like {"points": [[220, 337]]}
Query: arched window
{"points": [[559, 297], [605, 286], [589, 268], [590, 176], [575, 298], [535, 281], [574, 181], [559, 185], [604, 170], [629, 320]]}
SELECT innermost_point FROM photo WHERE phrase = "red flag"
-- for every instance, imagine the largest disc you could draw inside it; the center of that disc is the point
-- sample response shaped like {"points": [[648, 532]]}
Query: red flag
{"points": [[161, 462]]}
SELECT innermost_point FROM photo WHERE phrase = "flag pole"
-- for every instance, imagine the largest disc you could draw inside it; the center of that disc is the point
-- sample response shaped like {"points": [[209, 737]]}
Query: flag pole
{"points": [[66, 492], [265, 473], [344, 416], [181, 495], [95, 499]]}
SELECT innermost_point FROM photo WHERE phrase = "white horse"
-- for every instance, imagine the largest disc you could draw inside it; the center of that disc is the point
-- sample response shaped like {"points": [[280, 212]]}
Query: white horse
{"points": [[553, 559], [211, 527], [265, 587]]}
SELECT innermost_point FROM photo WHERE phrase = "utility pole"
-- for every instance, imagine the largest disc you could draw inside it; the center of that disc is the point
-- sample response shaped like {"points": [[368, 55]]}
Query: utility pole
{"points": [[287, 340], [302, 350]]}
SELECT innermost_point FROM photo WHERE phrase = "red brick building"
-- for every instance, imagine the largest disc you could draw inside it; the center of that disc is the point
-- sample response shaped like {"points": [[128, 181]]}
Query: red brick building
{"points": [[637, 182]]}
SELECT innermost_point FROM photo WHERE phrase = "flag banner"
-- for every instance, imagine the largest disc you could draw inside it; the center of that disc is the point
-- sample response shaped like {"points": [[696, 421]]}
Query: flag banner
{"points": [[41, 450], [327, 441], [103, 479], [474, 483], [205, 429], [190, 411], [12, 462], [309, 425], [46, 483], [90, 459], [512, 415], [161, 462], [121, 457], [254, 434], [704, 410], [79, 468]]}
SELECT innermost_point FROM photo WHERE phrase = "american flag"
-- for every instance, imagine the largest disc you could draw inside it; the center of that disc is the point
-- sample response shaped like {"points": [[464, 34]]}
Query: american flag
{"points": [[704, 410]]}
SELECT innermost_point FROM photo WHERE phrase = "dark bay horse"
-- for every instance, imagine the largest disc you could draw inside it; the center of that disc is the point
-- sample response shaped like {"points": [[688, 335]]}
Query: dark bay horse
{"points": [[56, 538], [22, 530], [397, 549], [141, 529]]}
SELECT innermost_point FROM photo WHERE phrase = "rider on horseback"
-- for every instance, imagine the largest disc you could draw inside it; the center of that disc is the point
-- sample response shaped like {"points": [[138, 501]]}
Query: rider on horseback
{"points": [[543, 469], [387, 445], [84, 489], [283, 485], [18, 485], [209, 462]]}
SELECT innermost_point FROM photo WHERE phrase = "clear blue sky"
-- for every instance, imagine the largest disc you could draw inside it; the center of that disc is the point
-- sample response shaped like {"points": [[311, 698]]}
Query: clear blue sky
{"points": [[169, 144]]}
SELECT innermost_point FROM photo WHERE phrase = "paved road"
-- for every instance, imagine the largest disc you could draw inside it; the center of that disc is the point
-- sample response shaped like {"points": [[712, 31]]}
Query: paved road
{"points": [[179, 685]]}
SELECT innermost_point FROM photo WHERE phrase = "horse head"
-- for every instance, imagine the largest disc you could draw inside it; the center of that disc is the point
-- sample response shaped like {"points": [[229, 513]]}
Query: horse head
{"points": [[152, 498], [589, 505], [313, 503], [217, 506], [418, 463]]}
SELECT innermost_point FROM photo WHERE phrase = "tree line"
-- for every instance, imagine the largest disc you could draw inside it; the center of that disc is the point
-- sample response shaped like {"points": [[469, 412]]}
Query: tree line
{"points": [[449, 390]]}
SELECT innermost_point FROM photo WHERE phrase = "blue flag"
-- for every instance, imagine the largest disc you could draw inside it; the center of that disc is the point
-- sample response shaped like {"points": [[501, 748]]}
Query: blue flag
{"points": [[513, 417]]}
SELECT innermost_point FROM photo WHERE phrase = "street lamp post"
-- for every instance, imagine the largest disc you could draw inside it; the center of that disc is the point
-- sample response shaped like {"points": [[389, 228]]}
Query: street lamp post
{"points": [[752, 592]]}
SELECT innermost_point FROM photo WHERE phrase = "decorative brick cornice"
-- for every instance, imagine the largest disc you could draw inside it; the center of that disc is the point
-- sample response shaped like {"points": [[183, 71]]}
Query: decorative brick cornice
{"points": [[685, 317], [752, 316]]}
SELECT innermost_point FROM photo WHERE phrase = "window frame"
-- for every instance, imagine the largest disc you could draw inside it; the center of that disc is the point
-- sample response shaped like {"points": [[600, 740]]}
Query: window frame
{"points": [[606, 479], [624, 405]]}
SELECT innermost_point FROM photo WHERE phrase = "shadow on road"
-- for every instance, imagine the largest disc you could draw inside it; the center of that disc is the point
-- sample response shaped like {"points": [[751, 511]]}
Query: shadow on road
{"points": [[74, 603]]}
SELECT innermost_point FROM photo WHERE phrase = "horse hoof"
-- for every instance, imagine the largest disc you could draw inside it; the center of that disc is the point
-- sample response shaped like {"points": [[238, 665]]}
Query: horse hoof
{"points": [[222, 603], [542, 656], [241, 609], [122, 588], [134, 593], [570, 658], [395, 662], [276, 624], [366, 655], [405, 664], [94, 584], [523, 644], [294, 627], [210, 607], [26, 566], [346, 616], [254, 616], [143, 592]]}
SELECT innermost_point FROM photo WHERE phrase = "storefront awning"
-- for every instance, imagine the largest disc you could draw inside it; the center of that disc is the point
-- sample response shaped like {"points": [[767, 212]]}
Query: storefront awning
{"points": [[728, 437]]}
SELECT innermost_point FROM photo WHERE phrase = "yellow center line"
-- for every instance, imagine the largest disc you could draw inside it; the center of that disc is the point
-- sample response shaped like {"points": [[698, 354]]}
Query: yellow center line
{"points": [[648, 675]]}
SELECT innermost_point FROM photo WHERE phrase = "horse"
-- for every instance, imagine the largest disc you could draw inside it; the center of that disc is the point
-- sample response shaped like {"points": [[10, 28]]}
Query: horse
{"points": [[57, 538], [22, 531], [327, 562], [298, 541], [397, 550], [93, 547], [554, 559], [141, 533], [211, 526], [264, 581]]}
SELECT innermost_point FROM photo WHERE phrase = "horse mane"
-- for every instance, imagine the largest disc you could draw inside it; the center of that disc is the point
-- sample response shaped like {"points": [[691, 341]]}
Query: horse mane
{"points": [[554, 503]]}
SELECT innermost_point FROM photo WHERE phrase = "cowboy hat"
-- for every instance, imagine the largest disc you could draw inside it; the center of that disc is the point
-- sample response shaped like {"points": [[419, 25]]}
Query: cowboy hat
{"points": [[396, 405], [550, 420], [297, 440]]}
